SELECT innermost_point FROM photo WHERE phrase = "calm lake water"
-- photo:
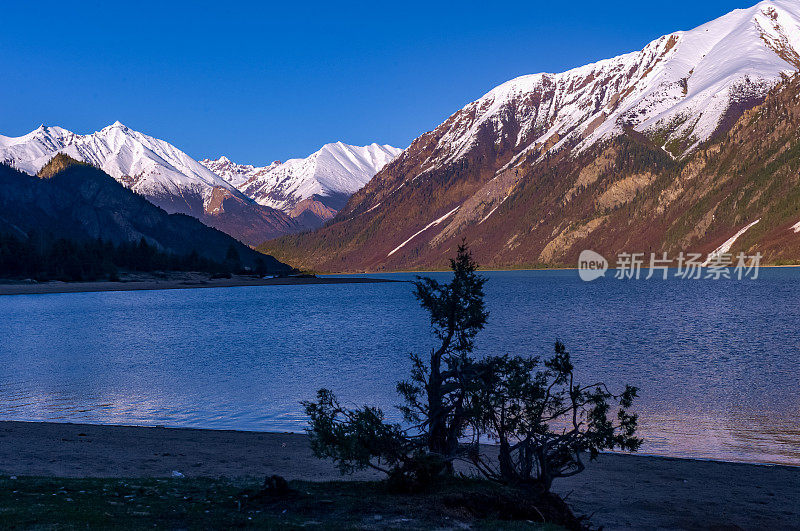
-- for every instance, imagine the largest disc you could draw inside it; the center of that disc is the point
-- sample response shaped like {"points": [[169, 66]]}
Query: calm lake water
{"points": [[718, 362]]}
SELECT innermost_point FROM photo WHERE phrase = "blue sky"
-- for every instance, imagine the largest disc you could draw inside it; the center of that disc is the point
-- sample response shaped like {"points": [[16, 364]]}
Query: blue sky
{"points": [[259, 81]]}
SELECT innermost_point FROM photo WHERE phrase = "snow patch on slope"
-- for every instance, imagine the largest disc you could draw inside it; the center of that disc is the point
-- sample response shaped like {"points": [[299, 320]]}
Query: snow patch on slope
{"points": [[426, 227], [726, 247]]}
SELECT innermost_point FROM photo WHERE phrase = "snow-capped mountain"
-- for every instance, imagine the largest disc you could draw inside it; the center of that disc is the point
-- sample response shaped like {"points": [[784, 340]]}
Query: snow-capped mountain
{"points": [[265, 201], [540, 163], [236, 174], [321, 182], [149, 166], [29, 153], [159, 171], [678, 89]]}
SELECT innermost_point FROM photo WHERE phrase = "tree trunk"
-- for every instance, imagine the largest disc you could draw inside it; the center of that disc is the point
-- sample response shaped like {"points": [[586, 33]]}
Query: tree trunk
{"points": [[438, 440], [504, 457], [437, 436]]}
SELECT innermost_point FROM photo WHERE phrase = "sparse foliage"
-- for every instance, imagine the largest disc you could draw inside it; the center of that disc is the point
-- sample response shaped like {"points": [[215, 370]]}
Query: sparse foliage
{"points": [[436, 393], [542, 420], [354, 439]]}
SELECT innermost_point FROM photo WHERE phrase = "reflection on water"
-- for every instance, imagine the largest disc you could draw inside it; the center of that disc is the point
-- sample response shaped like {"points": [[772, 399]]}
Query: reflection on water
{"points": [[717, 362]]}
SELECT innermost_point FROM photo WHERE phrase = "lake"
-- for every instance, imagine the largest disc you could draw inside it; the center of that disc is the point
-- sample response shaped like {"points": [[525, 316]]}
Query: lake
{"points": [[717, 362]]}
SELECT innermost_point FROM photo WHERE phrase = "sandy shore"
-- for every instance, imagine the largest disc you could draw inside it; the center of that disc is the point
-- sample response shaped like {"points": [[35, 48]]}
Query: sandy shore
{"points": [[622, 491], [157, 284]]}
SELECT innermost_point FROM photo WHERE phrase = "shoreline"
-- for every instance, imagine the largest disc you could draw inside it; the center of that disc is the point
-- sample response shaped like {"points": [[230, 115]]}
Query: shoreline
{"points": [[69, 425], [302, 434], [510, 270], [154, 284], [620, 490], [46, 288]]}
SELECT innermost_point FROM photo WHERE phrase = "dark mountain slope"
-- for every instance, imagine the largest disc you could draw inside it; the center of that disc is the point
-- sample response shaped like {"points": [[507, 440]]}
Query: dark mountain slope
{"points": [[77, 201]]}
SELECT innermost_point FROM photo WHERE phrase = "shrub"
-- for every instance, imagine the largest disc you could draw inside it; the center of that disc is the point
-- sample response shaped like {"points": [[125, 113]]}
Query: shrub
{"points": [[541, 419]]}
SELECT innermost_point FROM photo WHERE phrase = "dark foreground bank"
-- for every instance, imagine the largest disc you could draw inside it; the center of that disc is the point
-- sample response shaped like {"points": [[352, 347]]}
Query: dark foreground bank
{"points": [[620, 491]]}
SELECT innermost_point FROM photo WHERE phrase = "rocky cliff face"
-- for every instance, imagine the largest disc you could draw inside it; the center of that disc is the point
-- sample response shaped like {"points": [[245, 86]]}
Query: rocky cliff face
{"points": [[675, 147]]}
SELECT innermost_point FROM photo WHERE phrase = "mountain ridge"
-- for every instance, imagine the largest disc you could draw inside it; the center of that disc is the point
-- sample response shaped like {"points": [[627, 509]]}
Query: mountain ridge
{"points": [[286, 197], [316, 186], [570, 141], [155, 169], [78, 201]]}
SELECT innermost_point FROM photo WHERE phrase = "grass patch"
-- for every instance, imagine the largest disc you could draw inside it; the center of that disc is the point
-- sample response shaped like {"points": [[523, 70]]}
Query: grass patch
{"points": [[191, 503]]}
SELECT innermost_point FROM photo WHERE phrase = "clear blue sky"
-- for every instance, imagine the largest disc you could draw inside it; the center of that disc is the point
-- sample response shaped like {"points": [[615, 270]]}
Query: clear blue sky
{"points": [[259, 81]]}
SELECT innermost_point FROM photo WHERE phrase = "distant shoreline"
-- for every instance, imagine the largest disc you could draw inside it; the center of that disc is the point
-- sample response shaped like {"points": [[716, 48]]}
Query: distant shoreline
{"points": [[622, 491], [150, 284], [511, 270], [45, 288]]}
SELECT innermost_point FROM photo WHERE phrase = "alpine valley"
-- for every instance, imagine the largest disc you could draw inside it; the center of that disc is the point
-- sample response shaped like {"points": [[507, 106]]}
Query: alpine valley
{"points": [[250, 204], [677, 147]]}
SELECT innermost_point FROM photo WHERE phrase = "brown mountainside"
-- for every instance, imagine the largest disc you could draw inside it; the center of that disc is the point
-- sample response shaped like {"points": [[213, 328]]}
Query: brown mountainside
{"points": [[626, 194]]}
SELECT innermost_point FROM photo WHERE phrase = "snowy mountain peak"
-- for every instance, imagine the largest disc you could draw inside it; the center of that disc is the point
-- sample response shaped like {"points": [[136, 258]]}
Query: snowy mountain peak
{"points": [[235, 174], [149, 166], [678, 90], [335, 171], [31, 151], [171, 179]]}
